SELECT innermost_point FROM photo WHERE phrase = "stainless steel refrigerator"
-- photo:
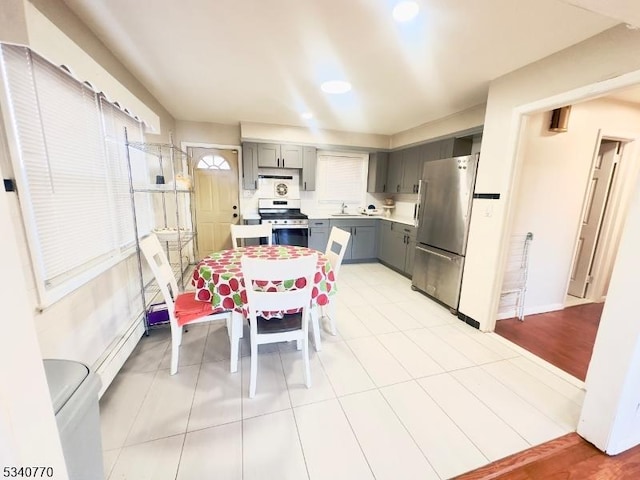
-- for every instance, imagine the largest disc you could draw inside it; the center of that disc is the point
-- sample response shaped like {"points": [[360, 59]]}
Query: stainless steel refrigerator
{"points": [[444, 211]]}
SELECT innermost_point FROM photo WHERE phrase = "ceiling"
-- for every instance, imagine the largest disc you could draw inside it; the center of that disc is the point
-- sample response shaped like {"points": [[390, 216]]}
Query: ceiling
{"points": [[231, 61]]}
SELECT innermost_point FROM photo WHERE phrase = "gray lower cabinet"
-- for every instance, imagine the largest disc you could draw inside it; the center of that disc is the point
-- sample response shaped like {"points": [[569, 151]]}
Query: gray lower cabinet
{"points": [[397, 244], [318, 234], [363, 242], [250, 166]]}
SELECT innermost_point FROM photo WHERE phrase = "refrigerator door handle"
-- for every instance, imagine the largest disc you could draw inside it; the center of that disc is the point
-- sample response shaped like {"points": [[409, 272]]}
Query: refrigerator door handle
{"points": [[431, 252], [416, 210]]}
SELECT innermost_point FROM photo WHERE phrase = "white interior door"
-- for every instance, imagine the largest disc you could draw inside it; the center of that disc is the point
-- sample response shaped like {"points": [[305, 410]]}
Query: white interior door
{"points": [[595, 208], [216, 197]]}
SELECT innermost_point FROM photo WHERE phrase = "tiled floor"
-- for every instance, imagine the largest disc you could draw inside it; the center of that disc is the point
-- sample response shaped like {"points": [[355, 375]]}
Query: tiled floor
{"points": [[404, 391]]}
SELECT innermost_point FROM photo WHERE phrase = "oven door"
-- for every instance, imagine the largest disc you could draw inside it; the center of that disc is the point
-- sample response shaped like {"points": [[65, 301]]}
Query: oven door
{"points": [[291, 235]]}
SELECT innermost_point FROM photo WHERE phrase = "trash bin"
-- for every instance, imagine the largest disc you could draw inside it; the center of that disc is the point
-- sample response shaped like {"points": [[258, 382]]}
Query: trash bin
{"points": [[74, 392]]}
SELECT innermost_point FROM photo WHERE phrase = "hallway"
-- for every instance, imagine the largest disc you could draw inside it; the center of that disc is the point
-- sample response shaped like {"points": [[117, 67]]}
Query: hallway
{"points": [[563, 338]]}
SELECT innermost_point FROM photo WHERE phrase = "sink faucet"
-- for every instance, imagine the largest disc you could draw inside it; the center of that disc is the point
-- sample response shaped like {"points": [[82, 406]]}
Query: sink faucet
{"points": [[343, 207]]}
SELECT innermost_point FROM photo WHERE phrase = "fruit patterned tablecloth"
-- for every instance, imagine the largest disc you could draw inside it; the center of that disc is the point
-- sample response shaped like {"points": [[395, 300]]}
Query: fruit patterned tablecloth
{"points": [[218, 277]]}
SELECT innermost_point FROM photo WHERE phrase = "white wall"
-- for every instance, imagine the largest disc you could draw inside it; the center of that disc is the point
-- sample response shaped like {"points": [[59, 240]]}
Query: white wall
{"points": [[212, 133], [551, 189]]}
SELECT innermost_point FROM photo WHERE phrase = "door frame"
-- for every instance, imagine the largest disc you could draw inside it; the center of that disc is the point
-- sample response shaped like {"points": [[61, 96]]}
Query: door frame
{"points": [[609, 401], [186, 144], [616, 210]]}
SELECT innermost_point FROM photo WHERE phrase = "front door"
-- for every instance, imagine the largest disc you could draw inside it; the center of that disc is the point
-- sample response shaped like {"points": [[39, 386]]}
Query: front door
{"points": [[596, 204], [216, 197]]}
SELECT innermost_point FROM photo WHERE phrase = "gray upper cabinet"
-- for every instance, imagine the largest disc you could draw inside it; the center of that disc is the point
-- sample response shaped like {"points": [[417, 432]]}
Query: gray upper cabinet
{"points": [[377, 180], [394, 172], [273, 155], [412, 170], [456, 147], [309, 161], [250, 166]]}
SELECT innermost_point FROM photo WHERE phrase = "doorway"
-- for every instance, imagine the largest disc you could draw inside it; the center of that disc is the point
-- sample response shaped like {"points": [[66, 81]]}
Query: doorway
{"points": [[216, 196], [573, 194]]}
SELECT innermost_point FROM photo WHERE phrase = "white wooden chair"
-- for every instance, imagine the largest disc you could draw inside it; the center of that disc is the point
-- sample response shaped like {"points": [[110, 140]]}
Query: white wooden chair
{"points": [[291, 326], [336, 247], [183, 308], [242, 232]]}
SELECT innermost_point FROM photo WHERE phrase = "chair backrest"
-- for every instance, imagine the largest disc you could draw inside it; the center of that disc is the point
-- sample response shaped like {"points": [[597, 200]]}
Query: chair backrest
{"points": [[336, 247], [159, 264], [250, 231], [300, 270]]}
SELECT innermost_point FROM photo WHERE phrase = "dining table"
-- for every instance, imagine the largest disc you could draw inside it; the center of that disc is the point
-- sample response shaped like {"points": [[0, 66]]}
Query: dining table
{"points": [[218, 279]]}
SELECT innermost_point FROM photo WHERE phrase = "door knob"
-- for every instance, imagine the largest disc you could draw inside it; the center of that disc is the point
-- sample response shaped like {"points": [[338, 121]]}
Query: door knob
{"points": [[235, 215], [235, 207]]}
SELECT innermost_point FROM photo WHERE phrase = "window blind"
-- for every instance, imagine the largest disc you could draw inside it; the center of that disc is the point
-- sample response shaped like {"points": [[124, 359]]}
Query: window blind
{"points": [[342, 177], [71, 181]]}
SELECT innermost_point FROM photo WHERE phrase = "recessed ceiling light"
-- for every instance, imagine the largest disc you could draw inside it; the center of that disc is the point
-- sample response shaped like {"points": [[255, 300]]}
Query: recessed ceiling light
{"points": [[307, 115], [336, 86], [405, 11]]}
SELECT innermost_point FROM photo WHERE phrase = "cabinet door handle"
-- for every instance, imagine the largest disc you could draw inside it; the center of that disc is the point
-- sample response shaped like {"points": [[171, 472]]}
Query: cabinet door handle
{"points": [[255, 184], [305, 185], [397, 188], [282, 162], [384, 187], [278, 161]]}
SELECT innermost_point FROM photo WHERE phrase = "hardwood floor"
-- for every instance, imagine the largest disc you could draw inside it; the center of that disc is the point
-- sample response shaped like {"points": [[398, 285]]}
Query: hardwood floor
{"points": [[567, 457], [563, 338]]}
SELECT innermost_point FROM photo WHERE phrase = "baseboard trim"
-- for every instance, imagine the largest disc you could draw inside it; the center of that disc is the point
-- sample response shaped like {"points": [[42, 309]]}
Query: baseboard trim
{"points": [[113, 358]]}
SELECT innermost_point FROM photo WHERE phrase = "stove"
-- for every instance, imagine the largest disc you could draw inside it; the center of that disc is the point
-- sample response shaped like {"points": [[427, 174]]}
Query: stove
{"points": [[290, 225]]}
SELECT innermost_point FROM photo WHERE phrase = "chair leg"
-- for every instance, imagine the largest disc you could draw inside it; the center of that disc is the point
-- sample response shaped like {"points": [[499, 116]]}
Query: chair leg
{"points": [[331, 314], [307, 367], [176, 336], [254, 368], [234, 326], [315, 322]]}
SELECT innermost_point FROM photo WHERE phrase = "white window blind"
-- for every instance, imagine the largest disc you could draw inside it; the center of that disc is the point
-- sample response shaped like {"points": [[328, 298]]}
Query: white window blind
{"points": [[70, 188], [115, 121], [342, 177]]}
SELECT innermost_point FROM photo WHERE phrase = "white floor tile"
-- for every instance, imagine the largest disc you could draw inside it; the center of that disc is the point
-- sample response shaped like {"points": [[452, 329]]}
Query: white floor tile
{"points": [[218, 397], [373, 319], [447, 448], [493, 437], [146, 357], [214, 452], [350, 326], [165, 410], [217, 343], [271, 448], [329, 445], [381, 366], [489, 340], [320, 389], [398, 317], [547, 377], [444, 354], [554, 405], [411, 357], [191, 349], [388, 447], [271, 387], [155, 460], [120, 405], [473, 350], [525, 419], [345, 372]]}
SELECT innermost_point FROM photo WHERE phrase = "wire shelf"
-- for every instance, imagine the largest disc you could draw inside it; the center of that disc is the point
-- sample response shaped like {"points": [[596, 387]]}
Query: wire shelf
{"points": [[514, 284]]}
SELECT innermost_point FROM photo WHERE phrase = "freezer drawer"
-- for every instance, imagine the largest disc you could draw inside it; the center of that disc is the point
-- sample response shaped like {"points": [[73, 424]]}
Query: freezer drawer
{"points": [[438, 274]]}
